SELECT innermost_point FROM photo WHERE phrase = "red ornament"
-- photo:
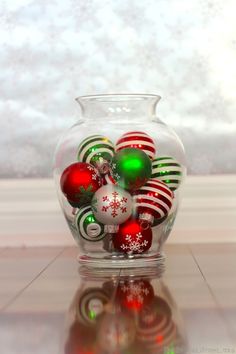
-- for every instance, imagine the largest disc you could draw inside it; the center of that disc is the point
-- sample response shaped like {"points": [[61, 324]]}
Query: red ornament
{"points": [[132, 239], [138, 140], [153, 202], [79, 182], [134, 295]]}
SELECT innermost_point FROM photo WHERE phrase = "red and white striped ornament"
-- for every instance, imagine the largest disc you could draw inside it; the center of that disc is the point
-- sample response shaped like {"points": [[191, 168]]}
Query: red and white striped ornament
{"points": [[138, 140], [153, 202]]}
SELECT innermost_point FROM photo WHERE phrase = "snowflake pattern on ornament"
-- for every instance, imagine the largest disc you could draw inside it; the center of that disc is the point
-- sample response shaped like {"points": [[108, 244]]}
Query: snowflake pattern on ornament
{"points": [[135, 292], [95, 174], [134, 245], [116, 176], [115, 205]]}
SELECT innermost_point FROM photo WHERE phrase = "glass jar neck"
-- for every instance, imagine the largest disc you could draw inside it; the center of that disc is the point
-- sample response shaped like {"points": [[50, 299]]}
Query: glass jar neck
{"points": [[118, 106]]}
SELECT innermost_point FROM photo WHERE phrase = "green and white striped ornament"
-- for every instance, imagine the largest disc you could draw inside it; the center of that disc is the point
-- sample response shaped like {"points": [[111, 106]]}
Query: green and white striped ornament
{"points": [[168, 170], [89, 228], [97, 150]]}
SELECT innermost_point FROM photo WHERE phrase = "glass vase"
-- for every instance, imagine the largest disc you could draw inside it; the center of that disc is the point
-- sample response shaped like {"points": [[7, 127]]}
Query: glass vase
{"points": [[119, 172]]}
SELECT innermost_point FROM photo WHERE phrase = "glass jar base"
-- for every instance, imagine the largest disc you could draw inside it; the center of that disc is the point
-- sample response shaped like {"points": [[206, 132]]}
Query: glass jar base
{"points": [[122, 261]]}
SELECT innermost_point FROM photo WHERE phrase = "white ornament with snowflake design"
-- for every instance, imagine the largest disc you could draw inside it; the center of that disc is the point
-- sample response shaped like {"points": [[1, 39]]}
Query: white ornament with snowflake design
{"points": [[112, 205]]}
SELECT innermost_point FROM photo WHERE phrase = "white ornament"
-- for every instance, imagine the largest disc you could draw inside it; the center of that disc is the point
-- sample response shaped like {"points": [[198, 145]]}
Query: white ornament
{"points": [[112, 205]]}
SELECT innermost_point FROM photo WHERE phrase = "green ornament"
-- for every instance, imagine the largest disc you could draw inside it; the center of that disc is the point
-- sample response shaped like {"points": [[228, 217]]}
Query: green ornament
{"points": [[168, 170], [89, 228], [97, 150], [131, 168]]}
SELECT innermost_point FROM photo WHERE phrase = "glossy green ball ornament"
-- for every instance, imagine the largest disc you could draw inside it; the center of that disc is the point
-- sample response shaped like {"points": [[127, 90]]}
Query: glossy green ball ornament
{"points": [[131, 168]]}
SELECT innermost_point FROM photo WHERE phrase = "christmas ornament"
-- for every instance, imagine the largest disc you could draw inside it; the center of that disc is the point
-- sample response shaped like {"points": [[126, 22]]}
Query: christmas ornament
{"points": [[79, 182], [91, 305], [153, 313], [112, 205], [108, 179], [155, 326], [134, 294], [81, 339], [158, 337], [132, 239], [97, 150], [89, 228], [138, 140], [131, 168], [115, 331], [168, 170], [153, 202]]}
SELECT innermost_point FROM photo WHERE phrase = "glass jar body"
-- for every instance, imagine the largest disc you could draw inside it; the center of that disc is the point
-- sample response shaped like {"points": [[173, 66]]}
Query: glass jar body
{"points": [[112, 116]]}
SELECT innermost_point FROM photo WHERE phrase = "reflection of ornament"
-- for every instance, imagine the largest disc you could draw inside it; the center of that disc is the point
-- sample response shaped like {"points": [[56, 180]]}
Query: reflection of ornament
{"points": [[131, 168], [168, 170], [134, 294], [155, 326], [116, 331], [132, 239], [97, 150], [88, 227], [112, 205], [138, 140], [79, 182], [91, 304], [81, 339], [153, 201]]}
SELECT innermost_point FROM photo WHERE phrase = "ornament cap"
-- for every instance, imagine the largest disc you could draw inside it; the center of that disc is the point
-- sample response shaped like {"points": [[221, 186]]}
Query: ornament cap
{"points": [[146, 220], [94, 229], [102, 166]]}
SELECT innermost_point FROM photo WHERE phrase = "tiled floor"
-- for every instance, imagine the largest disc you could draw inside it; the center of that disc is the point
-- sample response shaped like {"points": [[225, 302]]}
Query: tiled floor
{"points": [[47, 307]]}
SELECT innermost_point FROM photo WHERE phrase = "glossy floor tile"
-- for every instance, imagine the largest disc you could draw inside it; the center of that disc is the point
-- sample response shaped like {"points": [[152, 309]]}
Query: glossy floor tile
{"points": [[50, 305]]}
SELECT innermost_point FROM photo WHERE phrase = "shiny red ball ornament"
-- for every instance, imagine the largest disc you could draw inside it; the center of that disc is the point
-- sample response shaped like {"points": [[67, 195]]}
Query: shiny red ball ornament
{"points": [[134, 295], [132, 239], [152, 202], [138, 140], [79, 182]]}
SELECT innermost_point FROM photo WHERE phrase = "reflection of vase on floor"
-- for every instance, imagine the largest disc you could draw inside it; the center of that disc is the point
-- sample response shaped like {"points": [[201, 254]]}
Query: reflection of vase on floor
{"points": [[132, 314]]}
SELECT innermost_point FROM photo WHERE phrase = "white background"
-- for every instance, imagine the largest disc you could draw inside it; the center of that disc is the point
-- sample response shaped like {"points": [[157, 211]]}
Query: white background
{"points": [[53, 51]]}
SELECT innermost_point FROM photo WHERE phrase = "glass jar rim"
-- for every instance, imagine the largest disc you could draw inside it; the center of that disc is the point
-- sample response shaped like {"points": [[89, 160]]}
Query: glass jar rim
{"points": [[112, 97]]}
